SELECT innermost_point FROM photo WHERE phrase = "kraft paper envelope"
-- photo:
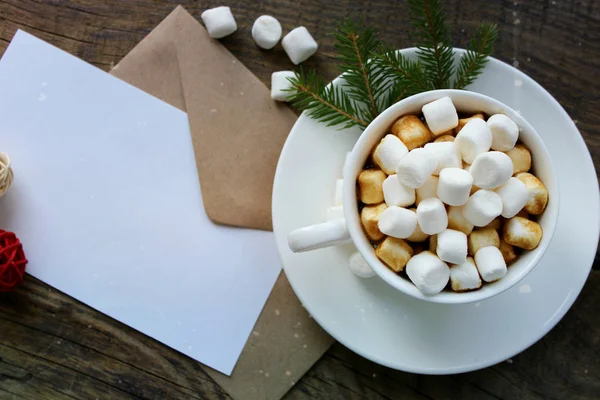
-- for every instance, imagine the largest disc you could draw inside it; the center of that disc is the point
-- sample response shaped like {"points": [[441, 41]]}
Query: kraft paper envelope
{"points": [[238, 132]]}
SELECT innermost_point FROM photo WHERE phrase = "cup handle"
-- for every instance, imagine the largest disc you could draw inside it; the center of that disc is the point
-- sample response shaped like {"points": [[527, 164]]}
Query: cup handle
{"points": [[318, 236]]}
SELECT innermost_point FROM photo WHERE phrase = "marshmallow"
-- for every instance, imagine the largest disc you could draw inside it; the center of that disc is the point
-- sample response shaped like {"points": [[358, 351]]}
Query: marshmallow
{"points": [[522, 233], [490, 263], [280, 85], [431, 216], [388, 153], [394, 253], [504, 132], [370, 183], [427, 189], [397, 222], [418, 248], [457, 221], [446, 154], [415, 167], [495, 224], [508, 252], [538, 194], [444, 138], [299, 45], [521, 158], [418, 235], [452, 246], [463, 121], [369, 217], [454, 186], [475, 138], [440, 115], [514, 196], [396, 194], [335, 212], [523, 214], [491, 170], [339, 190], [429, 274], [412, 131], [482, 207], [433, 243], [219, 22], [266, 32], [464, 276], [481, 238], [359, 266]]}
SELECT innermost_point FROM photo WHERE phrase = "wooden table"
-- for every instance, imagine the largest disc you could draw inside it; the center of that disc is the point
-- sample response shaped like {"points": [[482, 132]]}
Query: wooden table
{"points": [[52, 347]]}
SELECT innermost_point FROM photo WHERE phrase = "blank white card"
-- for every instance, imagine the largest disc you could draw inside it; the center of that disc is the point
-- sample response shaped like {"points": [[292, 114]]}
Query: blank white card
{"points": [[107, 203]]}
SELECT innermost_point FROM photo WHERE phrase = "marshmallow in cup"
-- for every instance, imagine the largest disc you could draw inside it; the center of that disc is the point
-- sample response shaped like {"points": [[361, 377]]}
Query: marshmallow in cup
{"points": [[333, 232]]}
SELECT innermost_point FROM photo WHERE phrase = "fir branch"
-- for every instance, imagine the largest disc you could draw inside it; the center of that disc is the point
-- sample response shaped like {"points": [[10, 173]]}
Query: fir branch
{"points": [[407, 75], [433, 41], [475, 59], [328, 104], [355, 45]]}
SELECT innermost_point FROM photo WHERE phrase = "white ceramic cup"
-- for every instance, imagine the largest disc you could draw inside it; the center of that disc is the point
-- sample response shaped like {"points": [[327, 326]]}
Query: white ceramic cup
{"points": [[349, 228]]}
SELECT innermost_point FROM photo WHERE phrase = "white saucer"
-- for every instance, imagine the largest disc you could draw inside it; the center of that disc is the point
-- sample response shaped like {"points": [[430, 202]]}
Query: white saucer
{"points": [[392, 329]]}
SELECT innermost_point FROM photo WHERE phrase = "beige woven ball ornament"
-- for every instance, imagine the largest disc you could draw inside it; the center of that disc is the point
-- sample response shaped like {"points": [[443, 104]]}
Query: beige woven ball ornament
{"points": [[6, 173]]}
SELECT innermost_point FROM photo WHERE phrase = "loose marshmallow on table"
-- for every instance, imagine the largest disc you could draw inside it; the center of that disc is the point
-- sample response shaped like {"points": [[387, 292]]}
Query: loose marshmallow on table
{"points": [[266, 31], [369, 218], [514, 195], [395, 253], [397, 194], [429, 274], [454, 186], [440, 115], [428, 189], [505, 132], [397, 222], [299, 45], [521, 158], [522, 233], [431, 216], [388, 153], [415, 167], [412, 131], [463, 121], [538, 194], [359, 266], [491, 170], [457, 221], [446, 154], [475, 138], [219, 22], [370, 183], [452, 246], [339, 189], [335, 212], [482, 207], [483, 237], [280, 84], [464, 276], [490, 263]]}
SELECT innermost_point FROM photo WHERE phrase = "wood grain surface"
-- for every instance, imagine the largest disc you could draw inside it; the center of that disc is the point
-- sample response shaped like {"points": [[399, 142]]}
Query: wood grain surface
{"points": [[52, 347]]}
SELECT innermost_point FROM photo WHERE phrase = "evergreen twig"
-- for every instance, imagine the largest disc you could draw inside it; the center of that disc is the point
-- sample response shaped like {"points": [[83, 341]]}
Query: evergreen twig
{"points": [[476, 57]]}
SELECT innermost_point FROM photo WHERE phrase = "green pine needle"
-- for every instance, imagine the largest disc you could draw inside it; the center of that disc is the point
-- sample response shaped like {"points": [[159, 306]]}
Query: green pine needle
{"points": [[328, 104], [433, 41], [472, 63], [354, 45], [377, 76]]}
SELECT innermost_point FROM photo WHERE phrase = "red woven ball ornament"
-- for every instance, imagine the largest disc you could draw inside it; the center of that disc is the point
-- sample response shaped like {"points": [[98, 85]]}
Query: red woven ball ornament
{"points": [[12, 261]]}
